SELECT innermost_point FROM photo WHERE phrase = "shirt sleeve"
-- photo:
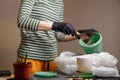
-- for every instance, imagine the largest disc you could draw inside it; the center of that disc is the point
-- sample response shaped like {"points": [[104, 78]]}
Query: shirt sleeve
{"points": [[24, 20], [60, 36], [61, 14]]}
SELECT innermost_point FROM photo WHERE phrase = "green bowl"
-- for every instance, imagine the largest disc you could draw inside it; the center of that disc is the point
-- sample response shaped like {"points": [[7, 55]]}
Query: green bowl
{"points": [[45, 74]]}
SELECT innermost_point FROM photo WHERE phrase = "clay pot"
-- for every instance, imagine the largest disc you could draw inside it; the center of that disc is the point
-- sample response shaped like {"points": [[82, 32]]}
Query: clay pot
{"points": [[22, 71]]}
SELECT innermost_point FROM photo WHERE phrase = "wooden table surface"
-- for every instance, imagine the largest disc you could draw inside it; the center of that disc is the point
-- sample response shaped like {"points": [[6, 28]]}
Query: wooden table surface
{"points": [[60, 77], [6, 77]]}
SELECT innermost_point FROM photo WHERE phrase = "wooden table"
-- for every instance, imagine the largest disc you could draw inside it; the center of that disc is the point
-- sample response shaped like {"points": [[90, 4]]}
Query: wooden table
{"points": [[6, 77], [60, 77]]}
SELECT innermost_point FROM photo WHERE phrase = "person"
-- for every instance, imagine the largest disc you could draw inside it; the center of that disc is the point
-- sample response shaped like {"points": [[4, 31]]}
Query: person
{"points": [[41, 26]]}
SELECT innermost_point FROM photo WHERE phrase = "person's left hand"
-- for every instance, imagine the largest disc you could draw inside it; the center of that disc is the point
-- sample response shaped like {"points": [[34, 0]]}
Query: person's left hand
{"points": [[66, 28]]}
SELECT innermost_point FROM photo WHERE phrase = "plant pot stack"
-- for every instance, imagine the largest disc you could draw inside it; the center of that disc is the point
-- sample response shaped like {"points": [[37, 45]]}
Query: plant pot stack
{"points": [[22, 71], [22, 68]]}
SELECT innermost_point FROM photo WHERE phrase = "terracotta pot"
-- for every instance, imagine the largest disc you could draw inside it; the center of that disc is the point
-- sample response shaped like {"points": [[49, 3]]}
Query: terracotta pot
{"points": [[22, 71]]}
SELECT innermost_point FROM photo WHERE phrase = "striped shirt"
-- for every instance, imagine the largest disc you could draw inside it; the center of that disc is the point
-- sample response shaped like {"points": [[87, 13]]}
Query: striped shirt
{"points": [[40, 45]]}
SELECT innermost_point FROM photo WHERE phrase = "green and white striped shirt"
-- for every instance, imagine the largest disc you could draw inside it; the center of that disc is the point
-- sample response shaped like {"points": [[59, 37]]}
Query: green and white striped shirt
{"points": [[40, 45]]}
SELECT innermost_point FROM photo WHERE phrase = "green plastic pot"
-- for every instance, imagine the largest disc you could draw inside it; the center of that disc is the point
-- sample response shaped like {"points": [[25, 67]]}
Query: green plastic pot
{"points": [[94, 45]]}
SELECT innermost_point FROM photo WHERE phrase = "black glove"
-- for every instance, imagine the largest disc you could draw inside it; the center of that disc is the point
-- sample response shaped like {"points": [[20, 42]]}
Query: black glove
{"points": [[88, 32], [66, 28]]}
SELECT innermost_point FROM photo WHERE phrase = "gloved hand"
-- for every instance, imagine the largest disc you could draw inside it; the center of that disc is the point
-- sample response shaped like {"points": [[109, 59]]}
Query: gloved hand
{"points": [[66, 28], [88, 32]]}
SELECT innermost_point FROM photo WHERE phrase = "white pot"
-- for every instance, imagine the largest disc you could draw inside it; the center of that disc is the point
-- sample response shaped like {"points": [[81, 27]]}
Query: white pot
{"points": [[84, 64]]}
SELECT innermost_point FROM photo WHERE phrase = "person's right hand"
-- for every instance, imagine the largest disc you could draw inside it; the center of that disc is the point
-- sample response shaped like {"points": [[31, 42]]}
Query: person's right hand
{"points": [[66, 28]]}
